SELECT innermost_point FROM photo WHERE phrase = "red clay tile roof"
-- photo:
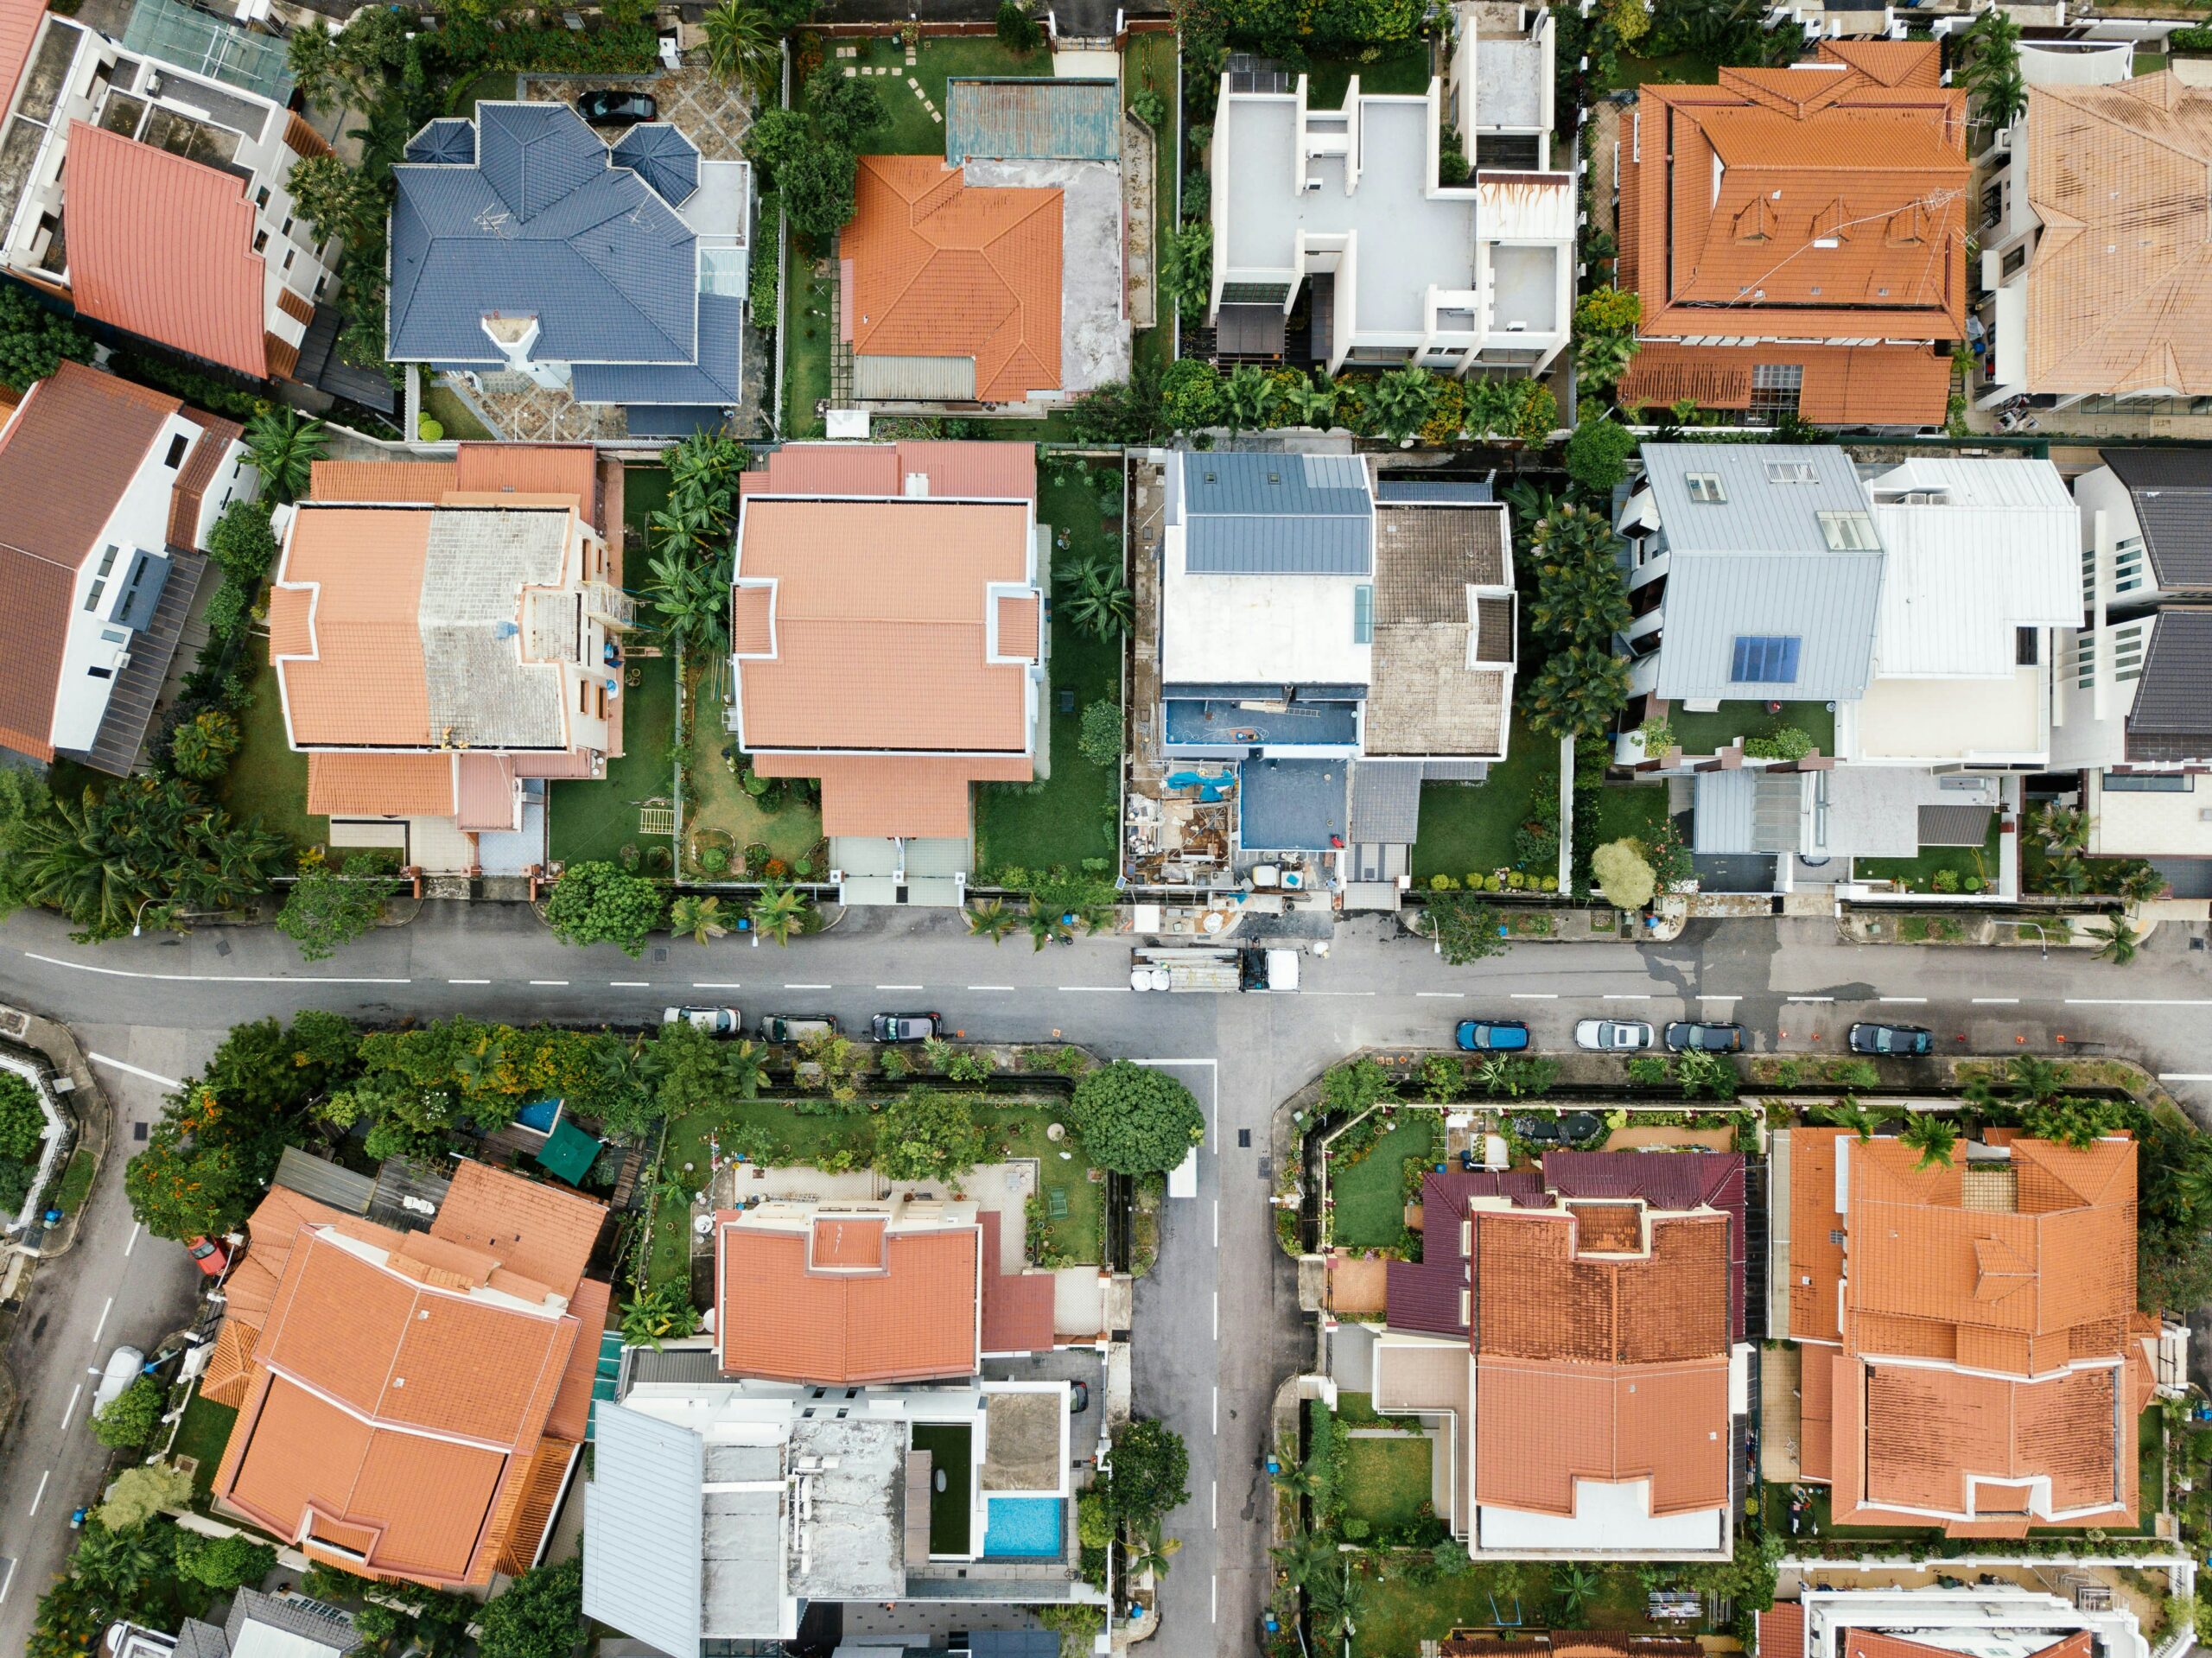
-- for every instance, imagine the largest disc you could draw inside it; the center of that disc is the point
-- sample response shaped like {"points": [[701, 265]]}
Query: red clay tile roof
{"points": [[752, 612], [850, 1241], [366, 564], [484, 796], [1843, 386], [162, 247], [863, 795], [567, 470], [381, 480], [93, 430], [1536, 1298], [370, 785], [229, 1375], [1017, 1307], [1017, 626], [190, 492], [1428, 1294], [1816, 1411], [999, 471], [941, 269], [1930, 1430], [1666, 1180], [530, 1227], [785, 1321], [1782, 1631], [19, 21], [1540, 1426], [571, 1411], [1815, 1250]]}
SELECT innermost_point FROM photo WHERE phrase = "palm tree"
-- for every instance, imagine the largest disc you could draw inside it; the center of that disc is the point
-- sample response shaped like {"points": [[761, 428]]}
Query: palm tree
{"points": [[693, 607], [478, 1068], [699, 918], [1154, 1552], [1848, 1113], [991, 919], [1314, 401], [1404, 398], [1601, 359], [1251, 397], [743, 44], [744, 1065], [1099, 604], [1579, 690], [119, 1562], [1048, 925], [283, 446], [2035, 1080], [2141, 884], [1308, 1557], [1932, 1136], [2061, 829], [779, 911], [2121, 941]]}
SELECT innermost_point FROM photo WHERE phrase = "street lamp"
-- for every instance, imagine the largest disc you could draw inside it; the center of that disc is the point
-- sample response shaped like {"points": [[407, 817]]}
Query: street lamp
{"points": [[137, 913]]}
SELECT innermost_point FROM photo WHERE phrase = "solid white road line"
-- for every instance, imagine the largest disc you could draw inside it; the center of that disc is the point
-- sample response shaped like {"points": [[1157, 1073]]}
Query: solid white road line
{"points": [[150, 1075], [1535, 995], [1704, 997], [1214, 1503], [101, 1325], [1213, 1599], [898, 987], [39, 1497], [2131, 1001], [70, 1409], [1996, 1001], [1216, 1315], [469, 981], [1109, 989], [1808, 999], [206, 978], [555, 982], [1216, 1410], [1912, 999], [131, 1243], [1444, 995], [629, 984], [1216, 1222]]}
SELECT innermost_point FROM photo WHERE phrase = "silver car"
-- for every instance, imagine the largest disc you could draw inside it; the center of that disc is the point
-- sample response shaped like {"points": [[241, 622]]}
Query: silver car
{"points": [[1612, 1035], [715, 1021]]}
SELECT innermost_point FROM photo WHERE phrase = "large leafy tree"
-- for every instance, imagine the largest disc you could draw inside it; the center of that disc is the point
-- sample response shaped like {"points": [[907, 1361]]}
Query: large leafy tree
{"points": [[130, 1420], [540, 1616], [328, 908], [597, 903], [1148, 1473], [1403, 399], [34, 341], [925, 1135], [22, 1121], [1135, 1119]]}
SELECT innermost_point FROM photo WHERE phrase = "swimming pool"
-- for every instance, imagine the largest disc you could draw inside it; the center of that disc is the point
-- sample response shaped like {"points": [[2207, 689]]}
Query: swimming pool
{"points": [[540, 1114], [1023, 1527]]}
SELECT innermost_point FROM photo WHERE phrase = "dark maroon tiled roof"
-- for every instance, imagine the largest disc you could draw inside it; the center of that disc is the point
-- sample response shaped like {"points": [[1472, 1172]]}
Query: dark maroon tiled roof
{"points": [[1424, 1294], [1665, 1180]]}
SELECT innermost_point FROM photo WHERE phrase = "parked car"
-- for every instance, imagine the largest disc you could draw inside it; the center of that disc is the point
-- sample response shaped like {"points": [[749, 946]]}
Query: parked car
{"points": [[612, 107], [1612, 1035], [1558, 1129], [906, 1027], [1709, 1036], [797, 1028], [123, 1367], [1493, 1035], [1890, 1039], [1079, 1398], [715, 1021], [208, 1255]]}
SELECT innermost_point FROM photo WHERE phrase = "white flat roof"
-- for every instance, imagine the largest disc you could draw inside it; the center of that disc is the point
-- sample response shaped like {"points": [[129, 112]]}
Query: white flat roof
{"points": [[1608, 1519], [1279, 629]]}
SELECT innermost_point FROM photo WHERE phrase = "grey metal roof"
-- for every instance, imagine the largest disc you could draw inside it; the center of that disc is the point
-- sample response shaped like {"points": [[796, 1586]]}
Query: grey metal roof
{"points": [[1033, 118], [661, 156], [1423, 490], [2172, 718], [544, 226], [685, 1364], [1291, 806], [1256, 514], [887, 378], [327, 1626], [1830, 603], [325, 1182], [1953, 825], [1454, 771], [1758, 516], [715, 380], [1012, 1643], [2172, 494], [1385, 801], [643, 1528], [449, 140]]}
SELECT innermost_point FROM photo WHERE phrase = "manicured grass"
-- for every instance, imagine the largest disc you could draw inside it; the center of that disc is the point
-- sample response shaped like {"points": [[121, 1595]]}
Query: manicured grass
{"points": [[204, 1431], [595, 818], [499, 88], [444, 404], [948, 1447], [1386, 1481], [1404, 68], [1357, 1409], [1467, 827], [645, 492], [1071, 818], [76, 1182], [908, 130], [1370, 1194], [268, 779], [1630, 811], [713, 798], [1918, 874], [1676, 67], [1706, 734], [810, 329], [1394, 1618]]}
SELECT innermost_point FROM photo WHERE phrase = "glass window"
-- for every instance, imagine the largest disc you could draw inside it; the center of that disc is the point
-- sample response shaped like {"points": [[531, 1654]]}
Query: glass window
{"points": [[2146, 783], [178, 445], [1848, 532], [93, 599], [1765, 659], [1705, 487], [1362, 615], [1792, 472], [2026, 646], [1775, 388]]}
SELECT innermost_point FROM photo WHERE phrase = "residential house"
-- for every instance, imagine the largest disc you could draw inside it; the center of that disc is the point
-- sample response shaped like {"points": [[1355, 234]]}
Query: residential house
{"points": [[258, 1626], [2130, 709], [2092, 216], [528, 251], [889, 637], [1972, 1358], [1349, 205], [412, 1404], [995, 277], [447, 637], [1996, 1617], [1337, 642], [1798, 238], [1573, 1340], [1900, 618], [906, 1291], [173, 219], [101, 573]]}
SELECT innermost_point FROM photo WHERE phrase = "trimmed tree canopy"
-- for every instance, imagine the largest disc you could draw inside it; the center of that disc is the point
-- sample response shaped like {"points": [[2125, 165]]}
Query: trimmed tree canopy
{"points": [[1134, 1120]]}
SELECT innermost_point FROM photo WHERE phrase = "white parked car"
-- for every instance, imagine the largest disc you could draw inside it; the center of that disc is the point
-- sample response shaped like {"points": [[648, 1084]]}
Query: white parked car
{"points": [[715, 1021], [123, 1367], [1612, 1035]]}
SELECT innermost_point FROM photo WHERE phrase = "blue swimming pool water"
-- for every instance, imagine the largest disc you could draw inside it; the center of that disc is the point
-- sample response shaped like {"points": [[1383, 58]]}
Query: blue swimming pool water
{"points": [[1023, 1527], [539, 1114]]}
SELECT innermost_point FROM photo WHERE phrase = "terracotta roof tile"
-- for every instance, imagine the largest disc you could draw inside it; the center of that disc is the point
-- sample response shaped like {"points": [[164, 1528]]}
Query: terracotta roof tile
{"points": [[1842, 386], [162, 247], [1816, 1235], [1816, 1408], [426, 482], [1017, 626], [994, 470], [1541, 1427], [752, 621], [1781, 1630], [1429, 1294], [868, 797], [229, 1375], [1930, 1430], [568, 471], [375, 785], [365, 682], [1536, 1299], [530, 1227], [190, 492], [571, 1411], [942, 269], [851, 1242], [536, 1495], [1017, 1307], [483, 794], [19, 21]]}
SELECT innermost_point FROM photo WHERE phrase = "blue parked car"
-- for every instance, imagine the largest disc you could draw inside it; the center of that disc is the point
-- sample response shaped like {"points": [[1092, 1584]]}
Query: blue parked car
{"points": [[1493, 1035]]}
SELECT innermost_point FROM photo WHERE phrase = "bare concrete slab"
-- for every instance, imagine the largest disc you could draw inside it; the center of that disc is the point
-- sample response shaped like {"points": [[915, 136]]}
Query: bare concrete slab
{"points": [[1094, 329]]}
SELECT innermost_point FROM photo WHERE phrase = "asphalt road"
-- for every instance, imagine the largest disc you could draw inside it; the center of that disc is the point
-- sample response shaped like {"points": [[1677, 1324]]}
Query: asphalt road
{"points": [[1217, 1321]]}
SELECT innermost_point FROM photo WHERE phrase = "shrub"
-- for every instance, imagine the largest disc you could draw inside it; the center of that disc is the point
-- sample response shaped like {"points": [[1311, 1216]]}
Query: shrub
{"points": [[596, 902], [1788, 744], [1944, 881], [1442, 884], [1597, 456], [1018, 30], [131, 1417], [428, 430], [201, 748], [1191, 395], [1101, 740]]}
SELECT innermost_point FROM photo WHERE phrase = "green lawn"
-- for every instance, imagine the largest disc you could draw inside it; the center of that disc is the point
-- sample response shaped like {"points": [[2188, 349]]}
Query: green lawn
{"points": [[1631, 811], [444, 404], [1394, 1618], [1467, 827], [1674, 67], [202, 1434], [948, 1447], [1071, 818], [1386, 1481], [645, 492], [1918, 874], [268, 779], [499, 88], [714, 799], [810, 329], [1404, 68], [75, 1183], [909, 129], [595, 818], [1706, 734], [1370, 1194]]}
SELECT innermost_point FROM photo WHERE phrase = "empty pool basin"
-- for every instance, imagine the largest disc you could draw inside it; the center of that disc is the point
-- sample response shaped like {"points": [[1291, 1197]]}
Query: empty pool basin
{"points": [[1023, 1527]]}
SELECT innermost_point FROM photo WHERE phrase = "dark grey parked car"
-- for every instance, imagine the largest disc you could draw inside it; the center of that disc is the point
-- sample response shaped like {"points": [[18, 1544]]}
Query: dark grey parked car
{"points": [[905, 1027], [1890, 1039], [1707, 1036], [611, 107]]}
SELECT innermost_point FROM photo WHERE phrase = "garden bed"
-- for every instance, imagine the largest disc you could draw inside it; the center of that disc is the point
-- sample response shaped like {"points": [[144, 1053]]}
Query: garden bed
{"points": [[718, 809], [1395, 1617], [1708, 733], [1940, 868]]}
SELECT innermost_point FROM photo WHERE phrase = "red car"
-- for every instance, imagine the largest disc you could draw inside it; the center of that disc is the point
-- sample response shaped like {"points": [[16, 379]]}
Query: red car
{"points": [[208, 1255]]}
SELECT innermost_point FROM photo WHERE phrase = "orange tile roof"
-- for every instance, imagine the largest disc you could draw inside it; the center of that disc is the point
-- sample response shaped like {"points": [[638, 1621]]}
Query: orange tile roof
{"points": [[19, 21], [1842, 386], [942, 269], [1017, 1307], [867, 795], [484, 793], [1781, 1630], [1535, 1297], [997, 470], [162, 247], [751, 611], [1931, 1431], [426, 482], [567, 470], [530, 1227], [250, 1291], [1816, 1411], [375, 785], [880, 612], [848, 1243], [1815, 1255], [571, 1412], [364, 684], [785, 1321], [2119, 280], [1017, 626], [1540, 1426], [229, 1375]]}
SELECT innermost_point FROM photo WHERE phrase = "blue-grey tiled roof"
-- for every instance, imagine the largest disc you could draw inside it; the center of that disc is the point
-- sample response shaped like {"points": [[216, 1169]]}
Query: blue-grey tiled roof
{"points": [[544, 225], [449, 140], [663, 157], [1276, 514], [712, 379]]}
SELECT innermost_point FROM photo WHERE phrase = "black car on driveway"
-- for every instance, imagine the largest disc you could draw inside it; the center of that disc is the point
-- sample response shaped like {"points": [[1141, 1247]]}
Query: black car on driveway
{"points": [[1903, 1039], [1704, 1036], [613, 106]]}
